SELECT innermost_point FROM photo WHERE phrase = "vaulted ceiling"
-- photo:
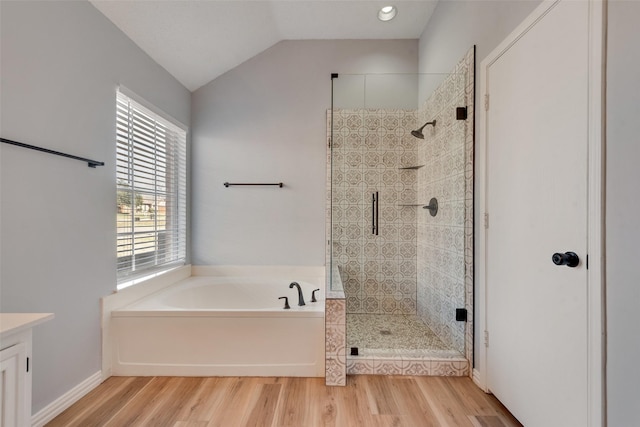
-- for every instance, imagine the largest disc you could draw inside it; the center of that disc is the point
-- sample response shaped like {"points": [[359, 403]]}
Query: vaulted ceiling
{"points": [[198, 40]]}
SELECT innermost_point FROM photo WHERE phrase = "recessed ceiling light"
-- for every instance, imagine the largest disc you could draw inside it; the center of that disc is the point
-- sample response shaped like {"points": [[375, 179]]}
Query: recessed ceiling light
{"points": [[387, 13]]}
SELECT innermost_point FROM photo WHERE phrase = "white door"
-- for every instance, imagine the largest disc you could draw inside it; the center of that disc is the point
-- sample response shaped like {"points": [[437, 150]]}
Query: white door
{"points": [[536, 199]]}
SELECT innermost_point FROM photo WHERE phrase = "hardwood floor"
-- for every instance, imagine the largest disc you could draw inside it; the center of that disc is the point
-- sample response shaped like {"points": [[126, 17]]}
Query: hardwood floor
{"points": [[369, 401]]}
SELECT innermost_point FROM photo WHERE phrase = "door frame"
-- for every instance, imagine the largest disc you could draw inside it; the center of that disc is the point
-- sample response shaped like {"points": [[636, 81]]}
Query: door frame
{"points": [[595, 205]]}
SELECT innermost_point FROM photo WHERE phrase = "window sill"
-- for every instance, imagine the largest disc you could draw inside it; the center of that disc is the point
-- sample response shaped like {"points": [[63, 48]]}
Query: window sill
{"points": [[137, 280]]}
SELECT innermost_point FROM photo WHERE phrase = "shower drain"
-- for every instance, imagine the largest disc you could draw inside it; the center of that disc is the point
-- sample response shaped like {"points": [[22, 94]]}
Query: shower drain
{"points": [[385, 332]]}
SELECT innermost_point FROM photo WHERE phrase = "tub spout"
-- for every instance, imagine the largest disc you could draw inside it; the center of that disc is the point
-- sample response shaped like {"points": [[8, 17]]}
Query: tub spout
{"points": [[300, 297]]}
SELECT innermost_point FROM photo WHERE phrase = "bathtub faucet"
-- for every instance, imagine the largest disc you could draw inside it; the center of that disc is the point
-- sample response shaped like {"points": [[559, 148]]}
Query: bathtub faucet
{"points": [[300, 297]]}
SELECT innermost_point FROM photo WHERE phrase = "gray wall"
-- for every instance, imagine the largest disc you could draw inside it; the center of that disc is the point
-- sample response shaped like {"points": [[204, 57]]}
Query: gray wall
{"points": [[456, 26], [265, 121], [622, 207], [61, 64]]}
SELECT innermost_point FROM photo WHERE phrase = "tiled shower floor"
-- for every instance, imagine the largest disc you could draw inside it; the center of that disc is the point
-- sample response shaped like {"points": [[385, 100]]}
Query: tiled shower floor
{"points": [[391, 336], [398, 345]]}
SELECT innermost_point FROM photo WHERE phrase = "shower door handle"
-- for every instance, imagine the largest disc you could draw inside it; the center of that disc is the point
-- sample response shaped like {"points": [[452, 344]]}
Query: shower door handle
{"points": [[374, 213], [377, 204]]}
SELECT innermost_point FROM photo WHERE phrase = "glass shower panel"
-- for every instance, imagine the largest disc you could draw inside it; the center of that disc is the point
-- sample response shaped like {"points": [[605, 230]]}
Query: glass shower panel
{"points": [[348, 198], [390, 91], [441, 238]]}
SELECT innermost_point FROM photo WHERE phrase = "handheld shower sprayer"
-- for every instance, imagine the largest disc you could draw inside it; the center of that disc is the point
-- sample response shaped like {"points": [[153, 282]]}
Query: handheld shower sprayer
{"points": [[418, 133]]}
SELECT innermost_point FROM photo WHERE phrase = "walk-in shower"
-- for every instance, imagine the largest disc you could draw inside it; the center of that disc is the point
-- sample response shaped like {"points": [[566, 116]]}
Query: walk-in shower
{"points": [[400, 235]]}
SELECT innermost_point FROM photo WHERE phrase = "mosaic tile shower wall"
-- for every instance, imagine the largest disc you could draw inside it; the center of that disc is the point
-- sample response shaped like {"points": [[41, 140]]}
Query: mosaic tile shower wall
{"points": [[444, 245], [369, 148]]}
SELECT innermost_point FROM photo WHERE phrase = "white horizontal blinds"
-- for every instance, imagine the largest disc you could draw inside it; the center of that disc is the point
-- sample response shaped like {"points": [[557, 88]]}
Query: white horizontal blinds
{"points": [[151, 185]]}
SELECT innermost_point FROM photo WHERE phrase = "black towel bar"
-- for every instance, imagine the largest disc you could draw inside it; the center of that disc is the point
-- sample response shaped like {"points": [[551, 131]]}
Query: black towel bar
{"points": [[90, 163], [228, 184]]}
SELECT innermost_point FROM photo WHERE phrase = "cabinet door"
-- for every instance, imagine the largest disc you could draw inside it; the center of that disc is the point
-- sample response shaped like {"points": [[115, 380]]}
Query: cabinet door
{"points": [[12, 389]]}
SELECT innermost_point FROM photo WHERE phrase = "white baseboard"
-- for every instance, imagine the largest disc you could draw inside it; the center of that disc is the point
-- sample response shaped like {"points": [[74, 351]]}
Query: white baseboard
{"points": [[58, 406], [477, 379]]}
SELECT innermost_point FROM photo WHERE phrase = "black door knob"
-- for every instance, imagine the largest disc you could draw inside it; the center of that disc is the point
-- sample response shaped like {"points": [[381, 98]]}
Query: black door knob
{"points": [[570, 259]]}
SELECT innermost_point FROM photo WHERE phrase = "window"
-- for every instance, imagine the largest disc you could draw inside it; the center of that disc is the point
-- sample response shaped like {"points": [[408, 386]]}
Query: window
{"points": [[151, 186]]}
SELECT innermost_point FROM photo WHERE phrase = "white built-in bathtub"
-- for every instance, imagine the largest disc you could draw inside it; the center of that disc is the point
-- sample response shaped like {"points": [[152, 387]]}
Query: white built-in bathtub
{"points": [[221, 325]]}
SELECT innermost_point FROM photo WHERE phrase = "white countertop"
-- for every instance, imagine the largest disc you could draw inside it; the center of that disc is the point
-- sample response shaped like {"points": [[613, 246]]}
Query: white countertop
{"points": [[15, 322]]}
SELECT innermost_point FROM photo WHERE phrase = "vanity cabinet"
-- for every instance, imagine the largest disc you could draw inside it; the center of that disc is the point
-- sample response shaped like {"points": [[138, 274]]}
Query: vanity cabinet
{"points": [[12, 390], [15, 366]]}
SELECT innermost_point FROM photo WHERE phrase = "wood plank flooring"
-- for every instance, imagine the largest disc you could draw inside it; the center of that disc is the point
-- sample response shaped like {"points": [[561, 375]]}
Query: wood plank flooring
{"points": [[369, 401]]}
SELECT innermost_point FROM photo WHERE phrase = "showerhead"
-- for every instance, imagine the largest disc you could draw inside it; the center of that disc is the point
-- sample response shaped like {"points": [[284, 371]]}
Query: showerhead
{"points": [[418, 133]]}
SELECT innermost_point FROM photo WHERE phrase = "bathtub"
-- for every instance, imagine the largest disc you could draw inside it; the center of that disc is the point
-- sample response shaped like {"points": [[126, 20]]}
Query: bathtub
{"points": [[221, 326]]}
